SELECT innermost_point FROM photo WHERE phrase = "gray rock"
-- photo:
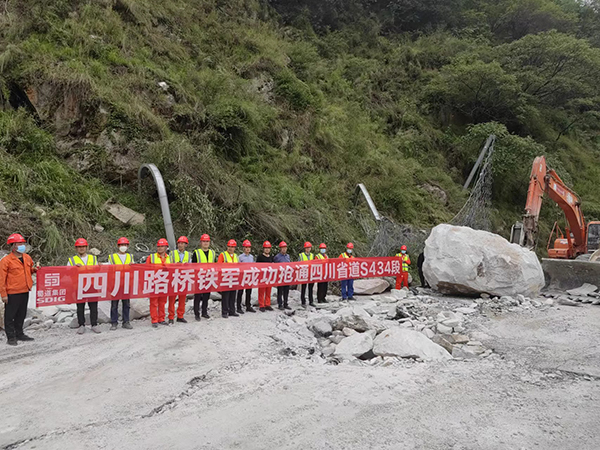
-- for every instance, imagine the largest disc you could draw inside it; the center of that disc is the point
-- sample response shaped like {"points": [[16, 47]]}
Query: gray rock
{"points": [[399, 293], [63, 316], [336, 339], [370, 286], [125, 215], [441, 328], [428, 332], [449, 319], [348, 331], [27, 323], [98, 228], [583, 290], [140, 308], [322, 328], [443, 341], [371, 307], [460, 351], [94, 251], [3, 209], [353, 317], [328, 351], [408, 344], [489, 263], [48, 323], [356, 345], [520, 298]]}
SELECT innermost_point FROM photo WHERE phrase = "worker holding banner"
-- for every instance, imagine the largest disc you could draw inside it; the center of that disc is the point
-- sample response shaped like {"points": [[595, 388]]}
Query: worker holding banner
{"points": [[83, 259], [283, 292], [179, 256], [348, 285], [245, 257], [228, 297], [203, 255], [122, 258], [307, 256], [157, 304], [322, 287], [264, 293]]}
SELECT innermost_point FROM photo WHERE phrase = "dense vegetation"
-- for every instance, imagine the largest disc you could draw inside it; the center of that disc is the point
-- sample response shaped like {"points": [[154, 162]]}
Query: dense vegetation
{"points": [[263, 116]]}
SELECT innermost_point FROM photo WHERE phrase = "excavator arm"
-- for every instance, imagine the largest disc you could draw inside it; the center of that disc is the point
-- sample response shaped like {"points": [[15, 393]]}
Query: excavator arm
{"points": [[547, 180]]}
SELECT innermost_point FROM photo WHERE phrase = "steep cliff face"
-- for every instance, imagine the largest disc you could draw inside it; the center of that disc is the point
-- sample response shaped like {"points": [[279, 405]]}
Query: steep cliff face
{"points": [[263, 118]]}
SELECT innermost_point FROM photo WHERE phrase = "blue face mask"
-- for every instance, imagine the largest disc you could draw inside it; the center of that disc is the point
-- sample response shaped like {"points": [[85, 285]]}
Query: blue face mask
{"points": [[21, 248], [403, 252], [323, 250]]}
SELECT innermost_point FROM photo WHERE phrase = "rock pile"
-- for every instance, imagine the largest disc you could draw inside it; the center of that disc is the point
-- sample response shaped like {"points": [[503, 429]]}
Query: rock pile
{"points": [[587, 293]]}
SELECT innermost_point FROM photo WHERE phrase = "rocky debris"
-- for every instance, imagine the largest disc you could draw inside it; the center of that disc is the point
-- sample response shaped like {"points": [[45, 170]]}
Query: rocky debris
{"points": [[408, 344], [322, 328], [567, 302], [353, 317], [94, 251], [125, 215], [488, 263], [583, 290], [370, 286], [3, 209], [98, 228], [400, 294], [355, 346]]}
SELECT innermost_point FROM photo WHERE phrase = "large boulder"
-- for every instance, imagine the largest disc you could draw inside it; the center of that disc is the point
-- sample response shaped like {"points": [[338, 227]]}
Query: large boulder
{"points": [[460, 260], [408, 344], [370, 286], [355, 346]]}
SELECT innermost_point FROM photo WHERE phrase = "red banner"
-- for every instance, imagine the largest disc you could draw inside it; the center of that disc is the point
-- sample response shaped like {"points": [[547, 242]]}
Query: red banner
{"points": [[61, 285]]}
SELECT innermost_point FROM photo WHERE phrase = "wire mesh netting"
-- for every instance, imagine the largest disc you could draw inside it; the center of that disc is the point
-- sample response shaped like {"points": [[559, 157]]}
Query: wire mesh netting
{"points": [[475, 213], [385, 237]]}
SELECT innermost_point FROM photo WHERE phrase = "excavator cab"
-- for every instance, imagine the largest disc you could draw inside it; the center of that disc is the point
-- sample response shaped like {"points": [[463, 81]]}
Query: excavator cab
{"points": [[593, 236]]}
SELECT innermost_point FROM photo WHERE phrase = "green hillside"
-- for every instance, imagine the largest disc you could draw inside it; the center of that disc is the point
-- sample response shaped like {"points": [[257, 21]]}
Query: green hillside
{"points": [[264, 115]]}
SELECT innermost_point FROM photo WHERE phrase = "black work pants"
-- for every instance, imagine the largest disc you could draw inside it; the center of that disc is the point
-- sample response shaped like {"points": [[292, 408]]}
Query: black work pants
{"points": [[228, 302], [240, 294], [283, 293], [93, 313], [311, 286], [114, 311], [201, 298], [15, 312], [322, 292]]}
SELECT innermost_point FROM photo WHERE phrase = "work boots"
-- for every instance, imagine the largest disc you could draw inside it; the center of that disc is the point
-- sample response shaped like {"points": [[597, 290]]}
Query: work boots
{"points": [[250, 309]]}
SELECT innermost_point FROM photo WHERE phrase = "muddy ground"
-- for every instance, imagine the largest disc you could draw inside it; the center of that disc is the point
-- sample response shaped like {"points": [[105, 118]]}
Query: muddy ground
{"points": [[235, 384]]}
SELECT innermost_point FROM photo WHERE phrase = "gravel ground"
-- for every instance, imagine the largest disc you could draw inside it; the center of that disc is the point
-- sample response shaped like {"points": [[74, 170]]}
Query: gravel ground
{"points": [[237, 384]]}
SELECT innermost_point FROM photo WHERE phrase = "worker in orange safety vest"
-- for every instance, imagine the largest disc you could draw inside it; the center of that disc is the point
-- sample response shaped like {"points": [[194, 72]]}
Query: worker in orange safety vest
{"points": [[402, 278], [157, 304]]}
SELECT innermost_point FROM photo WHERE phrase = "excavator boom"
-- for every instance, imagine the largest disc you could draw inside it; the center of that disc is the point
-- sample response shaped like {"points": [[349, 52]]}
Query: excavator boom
{"points": [[544, 180]]}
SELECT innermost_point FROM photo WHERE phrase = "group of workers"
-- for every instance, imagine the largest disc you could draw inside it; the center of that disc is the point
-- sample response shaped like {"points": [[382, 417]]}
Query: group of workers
{"points": [[17, 268]]}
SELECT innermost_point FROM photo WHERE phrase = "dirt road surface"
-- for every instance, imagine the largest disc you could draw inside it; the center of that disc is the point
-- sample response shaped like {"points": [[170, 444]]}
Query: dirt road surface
{"points": [[222, 384]]}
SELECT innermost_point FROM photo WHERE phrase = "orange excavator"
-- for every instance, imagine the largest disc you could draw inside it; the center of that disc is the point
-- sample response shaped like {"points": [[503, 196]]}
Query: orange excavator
{"points": [[578, 240]]}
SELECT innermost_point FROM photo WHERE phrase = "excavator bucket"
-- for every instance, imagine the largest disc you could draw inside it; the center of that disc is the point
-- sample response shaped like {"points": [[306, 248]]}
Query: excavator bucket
{"points": [[563, 274]]}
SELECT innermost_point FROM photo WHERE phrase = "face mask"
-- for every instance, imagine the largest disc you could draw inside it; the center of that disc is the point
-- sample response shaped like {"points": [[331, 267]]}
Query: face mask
{"points": [[21, 248], [123, 248], [323, 250], [403, 252], [349, 251]]}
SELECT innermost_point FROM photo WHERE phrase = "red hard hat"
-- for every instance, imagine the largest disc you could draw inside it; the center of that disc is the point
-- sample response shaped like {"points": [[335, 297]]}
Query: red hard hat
{"points": [[322, 245], [282, 244], [81, 242], [183, 239], [267, 244], [205, 238], [162, 243], [231, 243], [403, 247], [307, 244], [350, 245], [246, 243], [123, 241], [15, 238]]}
